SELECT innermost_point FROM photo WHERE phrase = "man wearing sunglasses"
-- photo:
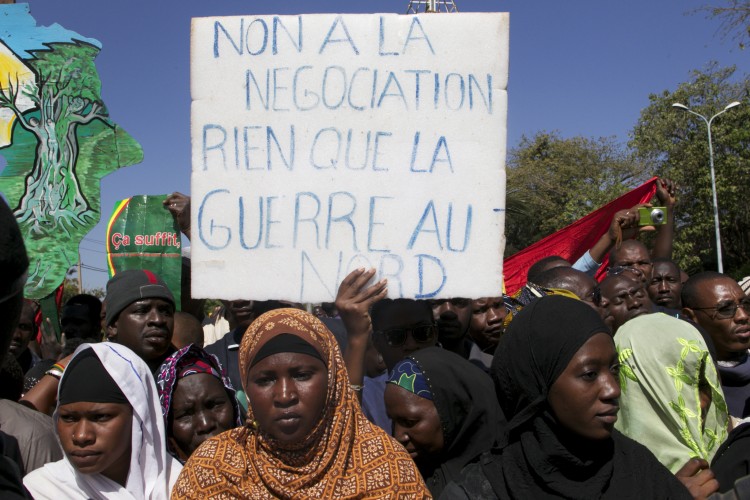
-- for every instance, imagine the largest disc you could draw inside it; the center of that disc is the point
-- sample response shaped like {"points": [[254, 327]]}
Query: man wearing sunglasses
{"points": [[717, 303], [402, 326]]}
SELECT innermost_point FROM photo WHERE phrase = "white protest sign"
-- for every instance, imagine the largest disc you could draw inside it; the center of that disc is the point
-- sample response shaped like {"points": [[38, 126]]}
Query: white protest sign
{"points": [[323, 143]]}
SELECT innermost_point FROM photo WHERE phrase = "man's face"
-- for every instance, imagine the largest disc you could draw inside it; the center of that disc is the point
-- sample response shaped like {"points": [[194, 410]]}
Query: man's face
{"points": [[10, 311], [76, 322], [402, 328], [583, 286], [487, 318], [636, 256], [664, 287], [731, 335], [453, 317], [241, 313], [624, 298], [145, 326], [24, 330]]}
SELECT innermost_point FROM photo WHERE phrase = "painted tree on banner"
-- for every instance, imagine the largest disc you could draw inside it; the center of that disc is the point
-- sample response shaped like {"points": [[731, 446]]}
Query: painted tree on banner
{"points": [[65, 97], [57, 139]]}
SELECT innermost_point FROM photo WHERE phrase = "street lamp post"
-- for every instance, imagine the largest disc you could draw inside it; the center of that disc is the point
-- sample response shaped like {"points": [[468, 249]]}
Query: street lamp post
{"points": [[711, 164]]}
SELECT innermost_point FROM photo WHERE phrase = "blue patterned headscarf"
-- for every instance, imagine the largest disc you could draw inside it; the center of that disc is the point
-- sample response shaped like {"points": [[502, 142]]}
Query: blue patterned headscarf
{"points": [[407, 375]]}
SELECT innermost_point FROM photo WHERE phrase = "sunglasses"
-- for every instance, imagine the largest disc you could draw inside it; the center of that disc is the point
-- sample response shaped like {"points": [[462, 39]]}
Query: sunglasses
{"points": [[727, 311], [396, 337], [617, 270]]}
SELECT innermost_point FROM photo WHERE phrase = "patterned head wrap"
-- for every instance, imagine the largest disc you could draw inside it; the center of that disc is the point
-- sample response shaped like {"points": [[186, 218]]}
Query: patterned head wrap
{"points": [[525, 296], [407, 375], [195, 366], [190, 360], [345, 456], [664, 362]]}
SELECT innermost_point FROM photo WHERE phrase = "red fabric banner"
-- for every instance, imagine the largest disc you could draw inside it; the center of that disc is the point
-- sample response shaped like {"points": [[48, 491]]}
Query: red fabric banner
{"points": [[573, 241]]}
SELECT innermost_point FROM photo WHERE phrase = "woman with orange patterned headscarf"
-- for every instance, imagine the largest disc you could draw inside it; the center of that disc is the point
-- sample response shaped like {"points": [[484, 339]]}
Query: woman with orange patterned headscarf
{"points": [[306, 436]]}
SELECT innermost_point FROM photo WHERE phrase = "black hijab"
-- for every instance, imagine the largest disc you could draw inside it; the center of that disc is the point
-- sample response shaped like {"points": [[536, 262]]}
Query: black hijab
{"points": [[87, 380], [536, 457], [470, 416]]}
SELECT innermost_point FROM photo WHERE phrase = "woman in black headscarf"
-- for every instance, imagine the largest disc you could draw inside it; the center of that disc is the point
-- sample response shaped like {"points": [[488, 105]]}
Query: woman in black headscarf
{"points": [[443, 413], [556, 377]]}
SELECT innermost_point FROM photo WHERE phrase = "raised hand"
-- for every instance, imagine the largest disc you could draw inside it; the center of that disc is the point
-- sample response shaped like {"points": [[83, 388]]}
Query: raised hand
{"points": [[666, 192], [354, 299], [178, 205], [51, 348]]}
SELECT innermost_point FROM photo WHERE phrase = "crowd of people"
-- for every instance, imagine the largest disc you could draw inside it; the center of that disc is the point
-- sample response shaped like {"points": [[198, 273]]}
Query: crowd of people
{"points": [[634, 386]]}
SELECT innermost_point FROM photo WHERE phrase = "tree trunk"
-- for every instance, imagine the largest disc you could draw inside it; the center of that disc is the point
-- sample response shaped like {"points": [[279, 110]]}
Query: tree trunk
{"points": [[53, 197]]}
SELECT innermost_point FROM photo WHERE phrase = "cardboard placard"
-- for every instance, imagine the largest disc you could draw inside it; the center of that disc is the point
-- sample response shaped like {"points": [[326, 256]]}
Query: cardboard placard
{"points": [[323, 143]]}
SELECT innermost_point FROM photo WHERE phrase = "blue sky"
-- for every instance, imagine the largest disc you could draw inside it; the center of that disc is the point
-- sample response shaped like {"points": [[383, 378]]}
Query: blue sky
{"points": [[581, 67]]}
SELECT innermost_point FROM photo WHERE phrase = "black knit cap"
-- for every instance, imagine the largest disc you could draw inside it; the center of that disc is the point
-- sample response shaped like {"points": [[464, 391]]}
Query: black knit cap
{"points": [[126, 287]]}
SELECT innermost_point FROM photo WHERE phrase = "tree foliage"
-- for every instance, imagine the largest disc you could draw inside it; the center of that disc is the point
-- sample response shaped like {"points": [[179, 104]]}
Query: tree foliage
{"points": [[554, 181], [70, 288], [675, 144], [734, 16]]}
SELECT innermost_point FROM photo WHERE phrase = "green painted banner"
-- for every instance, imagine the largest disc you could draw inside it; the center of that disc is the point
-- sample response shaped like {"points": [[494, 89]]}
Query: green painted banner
{"points": [[142, 234], [57, 139]]}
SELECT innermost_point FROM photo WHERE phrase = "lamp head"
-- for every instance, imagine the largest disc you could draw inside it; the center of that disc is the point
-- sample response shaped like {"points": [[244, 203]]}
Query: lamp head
{"points": [[681, 106], [732, 104]]}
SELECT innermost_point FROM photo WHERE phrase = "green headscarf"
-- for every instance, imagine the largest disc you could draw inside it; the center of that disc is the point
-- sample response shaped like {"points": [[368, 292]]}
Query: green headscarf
{"points": [[661, 361]]}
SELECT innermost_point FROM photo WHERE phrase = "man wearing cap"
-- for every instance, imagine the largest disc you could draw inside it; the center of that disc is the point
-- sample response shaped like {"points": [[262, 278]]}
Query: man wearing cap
{"points": [[140, 315]]}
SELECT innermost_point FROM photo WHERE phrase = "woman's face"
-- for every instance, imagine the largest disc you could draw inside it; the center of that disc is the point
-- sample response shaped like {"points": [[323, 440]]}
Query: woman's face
{"points": [[201, 409], [287, 393], [416, 423], [96, 437], [584, 398]]}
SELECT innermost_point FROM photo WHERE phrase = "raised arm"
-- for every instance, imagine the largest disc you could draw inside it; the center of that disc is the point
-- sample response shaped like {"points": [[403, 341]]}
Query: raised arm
{"points": [[353, 302], [43, 396], [666, 194], [622, 221]]}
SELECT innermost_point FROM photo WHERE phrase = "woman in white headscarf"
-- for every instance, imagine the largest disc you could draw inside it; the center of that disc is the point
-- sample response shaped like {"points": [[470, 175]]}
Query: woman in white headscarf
{"points": [[109, 422]]}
